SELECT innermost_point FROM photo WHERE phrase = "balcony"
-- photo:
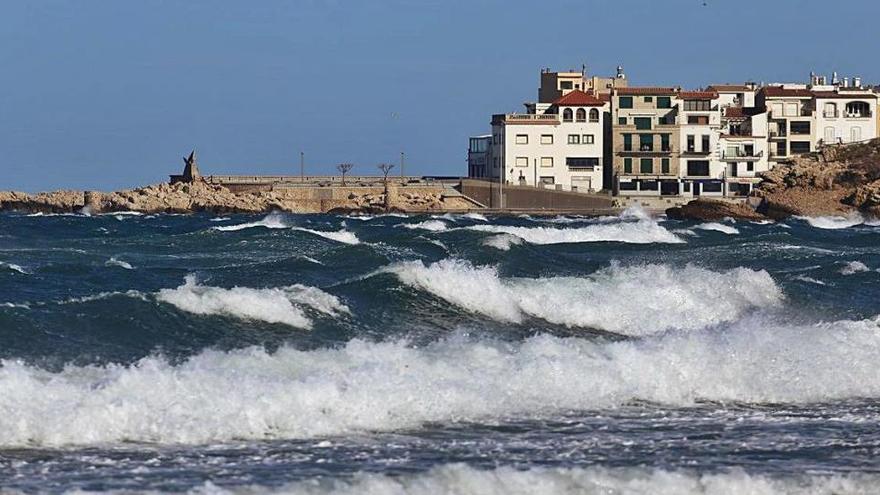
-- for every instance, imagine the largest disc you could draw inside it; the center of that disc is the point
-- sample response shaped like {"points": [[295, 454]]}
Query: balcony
{"points": [[646, 150], [695, 152], [778, 134], [741, 155], [526, 118], [831, 115], [857, 115]]}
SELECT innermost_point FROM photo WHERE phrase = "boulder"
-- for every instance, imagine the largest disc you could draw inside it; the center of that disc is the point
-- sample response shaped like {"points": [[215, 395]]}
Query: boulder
{"points": [[708, 210]]}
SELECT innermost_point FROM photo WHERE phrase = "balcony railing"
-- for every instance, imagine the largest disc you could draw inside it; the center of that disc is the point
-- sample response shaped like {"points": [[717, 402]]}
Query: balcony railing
{"points": [[778, 134], [694, 151], [741, 155], [548, 117], [857, 115], [830, 115]]}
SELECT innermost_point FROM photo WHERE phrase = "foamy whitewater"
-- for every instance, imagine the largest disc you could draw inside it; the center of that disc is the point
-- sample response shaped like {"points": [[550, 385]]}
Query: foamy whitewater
{"points": [[458, 354]]}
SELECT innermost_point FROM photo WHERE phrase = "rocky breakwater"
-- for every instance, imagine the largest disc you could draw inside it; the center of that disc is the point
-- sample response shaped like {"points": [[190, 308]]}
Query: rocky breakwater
{"points": [[836, 181], [201, 196]]}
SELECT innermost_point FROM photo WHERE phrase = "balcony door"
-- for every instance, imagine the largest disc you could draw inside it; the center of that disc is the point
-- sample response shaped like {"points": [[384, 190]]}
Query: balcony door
{"points": [[856, 134]]}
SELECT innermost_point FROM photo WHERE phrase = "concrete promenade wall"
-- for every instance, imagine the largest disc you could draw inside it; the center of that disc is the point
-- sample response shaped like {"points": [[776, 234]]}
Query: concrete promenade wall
{"points": [[532, 198]]}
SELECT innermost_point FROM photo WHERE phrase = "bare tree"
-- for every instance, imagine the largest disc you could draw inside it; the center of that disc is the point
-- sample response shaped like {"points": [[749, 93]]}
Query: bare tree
{"points": [[344, 168], [385, 168]]}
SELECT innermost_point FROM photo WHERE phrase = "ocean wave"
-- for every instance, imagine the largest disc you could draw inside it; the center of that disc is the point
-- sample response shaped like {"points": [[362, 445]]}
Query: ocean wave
{"points": [[853, 267], [13, 267], [220, 219], [502, 242], [640, 232], [834, 222], [431, 225], [809, 280], [718, 227], [461, 479], [342, 235], [368, 386], [634, 300], [270, 221], [475, 216], [274, 305], [122, 264]]}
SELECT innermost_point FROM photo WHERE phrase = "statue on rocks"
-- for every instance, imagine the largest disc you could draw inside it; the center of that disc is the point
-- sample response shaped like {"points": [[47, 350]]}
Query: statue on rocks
{"points": [[190, 170]]}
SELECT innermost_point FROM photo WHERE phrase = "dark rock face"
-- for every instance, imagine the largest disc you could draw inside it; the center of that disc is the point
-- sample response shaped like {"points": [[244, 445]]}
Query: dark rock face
{"points": [[708, 210]]}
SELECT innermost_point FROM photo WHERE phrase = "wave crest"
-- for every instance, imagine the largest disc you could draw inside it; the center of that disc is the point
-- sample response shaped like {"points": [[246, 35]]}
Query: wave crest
{"points": [[643, 231], [635, 300]]}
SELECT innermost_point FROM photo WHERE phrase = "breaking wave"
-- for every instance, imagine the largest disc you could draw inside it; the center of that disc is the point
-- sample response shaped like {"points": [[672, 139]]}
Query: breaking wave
{"points": [[634, 300], [365, 386], [13, 267], [853, 267], [271, 221], [461, 479], [834, 222], [432, 225], [718, 227], [643, 231], [119, 263], [276, 305], [502, 242], [343, 236]]}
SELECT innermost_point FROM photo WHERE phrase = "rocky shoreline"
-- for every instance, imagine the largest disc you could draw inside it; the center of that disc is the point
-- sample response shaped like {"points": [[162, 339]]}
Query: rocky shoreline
{"points": [[837, 181], [200, 196]]}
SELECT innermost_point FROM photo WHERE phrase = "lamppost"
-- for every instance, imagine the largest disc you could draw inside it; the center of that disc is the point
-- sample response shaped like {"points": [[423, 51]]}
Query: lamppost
{"points": [[302, 166], [401, 166]]}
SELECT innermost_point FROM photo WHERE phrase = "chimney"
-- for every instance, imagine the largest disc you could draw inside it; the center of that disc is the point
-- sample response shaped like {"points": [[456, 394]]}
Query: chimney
{"points": [[845, 82], [823, 80], [834, 80], [857, 82], [813, 78]]}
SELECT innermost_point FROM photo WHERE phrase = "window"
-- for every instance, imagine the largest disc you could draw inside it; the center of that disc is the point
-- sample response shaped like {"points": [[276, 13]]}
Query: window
{"points": [[697, 105], [750, 166], [522, 139], [781, 149], [830, 111], [858, 109], [546, 161], [574, 139], [649, 99], [588, 139], [627, 165], [792, 109], [662, 120], [664, 166], [706, 146], [567, 115], [713, 186], [565, 85], [546, 138], [547, 180], [646, 142], [801, 128], [646, 165], [627, 186], [698, 119], [621, 120], [664, 142], [627, 142], [580, 115], [699, 168], [575, 162], [594, 115], [522, 161], [625, 102], [643, 123], [691, 147], [664, 102], [648, 185], [798, 147]]}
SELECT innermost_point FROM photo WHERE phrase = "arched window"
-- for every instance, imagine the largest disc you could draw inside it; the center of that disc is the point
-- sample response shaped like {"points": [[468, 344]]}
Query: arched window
{"points": [[567, 115], [830, 110], [594, 115], [581, 115], [858, 109]]}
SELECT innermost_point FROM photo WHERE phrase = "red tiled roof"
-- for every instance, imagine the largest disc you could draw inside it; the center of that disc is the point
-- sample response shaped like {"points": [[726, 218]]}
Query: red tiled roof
{"points": [[850, 96], [779, 92], [698, 95], [578, 98], [729, 88], [646, 91]]}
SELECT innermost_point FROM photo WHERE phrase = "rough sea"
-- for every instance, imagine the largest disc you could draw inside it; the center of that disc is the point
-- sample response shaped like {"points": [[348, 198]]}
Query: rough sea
{"points": [[438, 354]]}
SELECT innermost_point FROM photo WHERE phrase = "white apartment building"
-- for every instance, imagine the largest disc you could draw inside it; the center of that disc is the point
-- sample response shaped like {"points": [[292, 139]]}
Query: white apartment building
{"points": [[558, 145], [743, 147]]}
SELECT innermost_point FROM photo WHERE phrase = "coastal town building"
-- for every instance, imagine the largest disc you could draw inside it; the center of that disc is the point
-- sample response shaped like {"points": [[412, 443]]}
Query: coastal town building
{"points": [[588, 133]]}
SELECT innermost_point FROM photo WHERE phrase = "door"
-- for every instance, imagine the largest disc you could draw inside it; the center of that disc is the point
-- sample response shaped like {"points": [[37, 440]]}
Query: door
{"points": [[829, 135], [581, 184], [856, 134], [732, 169]]}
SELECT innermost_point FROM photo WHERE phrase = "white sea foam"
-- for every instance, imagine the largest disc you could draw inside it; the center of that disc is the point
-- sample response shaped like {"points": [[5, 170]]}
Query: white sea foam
{"points": [[809, 280], [342, 235], [105, 295], [431, 225], [640, 232], [854, 267], [274, 305], [270, 221], [220, 219], [634, 300], [365, 386], [460, 479], [502, 242], [718, 227], [834, 222], [119, 263], [476, 216], [13, 267]]}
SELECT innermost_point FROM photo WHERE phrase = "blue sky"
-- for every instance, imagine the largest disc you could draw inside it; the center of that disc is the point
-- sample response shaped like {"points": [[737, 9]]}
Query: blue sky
{"points": [[107, 93]]}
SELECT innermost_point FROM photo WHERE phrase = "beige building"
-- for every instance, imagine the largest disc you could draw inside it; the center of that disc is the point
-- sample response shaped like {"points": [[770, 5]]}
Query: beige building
{"points": [[555, 85]]}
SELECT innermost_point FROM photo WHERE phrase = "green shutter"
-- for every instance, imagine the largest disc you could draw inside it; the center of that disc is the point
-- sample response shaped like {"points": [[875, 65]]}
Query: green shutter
{"points": [[625, 102], [646, 166], [621, 120], [664, 102], [664, 165], [646, 142], [627, 142], [643, 123], [627, 165]]}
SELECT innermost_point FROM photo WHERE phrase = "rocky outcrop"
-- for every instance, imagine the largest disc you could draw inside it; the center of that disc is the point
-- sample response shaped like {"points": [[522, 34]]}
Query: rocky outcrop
{"points": [[708, 210], [202, 196]]}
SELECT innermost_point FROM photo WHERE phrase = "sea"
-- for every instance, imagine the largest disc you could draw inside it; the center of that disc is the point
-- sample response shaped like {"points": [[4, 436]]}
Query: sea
{"points": [[438, 354]]}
